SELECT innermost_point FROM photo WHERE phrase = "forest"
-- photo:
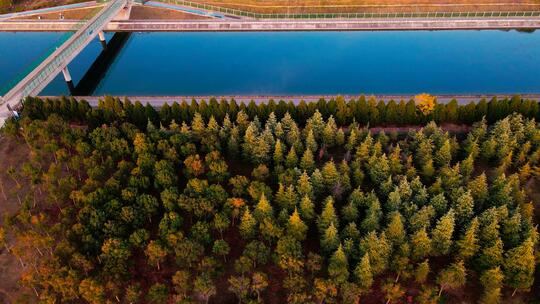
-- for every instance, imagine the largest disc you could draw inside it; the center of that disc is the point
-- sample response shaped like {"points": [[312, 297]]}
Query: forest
{"points": [[338, 201]]}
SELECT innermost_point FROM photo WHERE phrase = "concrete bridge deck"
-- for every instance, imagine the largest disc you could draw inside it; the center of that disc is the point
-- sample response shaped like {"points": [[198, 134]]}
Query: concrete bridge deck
{"points": [[285, 25], [158, 101]]}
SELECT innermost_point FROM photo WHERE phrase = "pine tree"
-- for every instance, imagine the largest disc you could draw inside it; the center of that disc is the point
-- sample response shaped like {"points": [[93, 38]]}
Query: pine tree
{"points": [[519, 266], [464, 209], [311, 142], [452, 277], [328, 216], [443, 156], [395, 231], [363, 274], [492, 280], [422, 272], [304, 188], [278, 153], [306, 162], [330, 239], [421, 245], [442, 234], [291, 159], [330, 175], [263, 209], [247, 225], [467, 245], [307, 209], [296, 227], [338, 266], [378, 249]]}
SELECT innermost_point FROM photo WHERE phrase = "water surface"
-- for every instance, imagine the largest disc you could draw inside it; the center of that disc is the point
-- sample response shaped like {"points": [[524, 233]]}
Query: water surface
{"points": [[303, 63]]}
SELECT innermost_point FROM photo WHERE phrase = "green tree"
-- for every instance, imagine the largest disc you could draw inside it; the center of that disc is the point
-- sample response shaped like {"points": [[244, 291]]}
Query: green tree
{"points": [[442, 234], [296, 227], [221, 248], [248, 225], [204, 287], [452, 277], [519, 266], [363, 274], [492, 280], [306, 162], [156, 253], [330, 239], [422, 271], [421, 245], [338, 266]]}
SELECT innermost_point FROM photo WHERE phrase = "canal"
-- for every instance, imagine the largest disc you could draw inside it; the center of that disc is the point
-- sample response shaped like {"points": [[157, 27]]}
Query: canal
{"points": [[287, 63]]}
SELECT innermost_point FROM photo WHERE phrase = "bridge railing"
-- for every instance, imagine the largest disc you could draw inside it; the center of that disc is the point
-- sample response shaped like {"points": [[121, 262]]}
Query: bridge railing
{"points": [[28, 85], [347, 15]]}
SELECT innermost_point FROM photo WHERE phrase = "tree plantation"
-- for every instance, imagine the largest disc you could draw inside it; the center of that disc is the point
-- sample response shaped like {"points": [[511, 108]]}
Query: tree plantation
{"points": [[321, 202]]}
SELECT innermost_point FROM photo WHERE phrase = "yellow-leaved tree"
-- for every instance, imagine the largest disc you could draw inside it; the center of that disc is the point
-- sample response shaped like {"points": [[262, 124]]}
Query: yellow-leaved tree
{"points": [[425, 103]]}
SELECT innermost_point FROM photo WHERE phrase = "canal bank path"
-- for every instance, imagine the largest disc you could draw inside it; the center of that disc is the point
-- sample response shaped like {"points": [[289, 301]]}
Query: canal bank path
{"points": [[158, 101]]}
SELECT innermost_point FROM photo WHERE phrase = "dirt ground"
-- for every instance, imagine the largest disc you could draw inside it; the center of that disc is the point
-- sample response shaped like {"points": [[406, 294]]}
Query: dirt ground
{"points": [[25, 5], [12, 153], [73, 14], [382, 6], [153, 13]]}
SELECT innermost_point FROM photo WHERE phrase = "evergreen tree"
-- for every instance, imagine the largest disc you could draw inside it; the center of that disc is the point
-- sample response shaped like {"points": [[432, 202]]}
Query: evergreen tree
{"points": [[491, 280], [330, 239], [306, 162], [519, 266], [467, 245], [247, 225], [296, 227], [452, 277], [420, 244], [442, 234], [363, 274], [338, 266]]}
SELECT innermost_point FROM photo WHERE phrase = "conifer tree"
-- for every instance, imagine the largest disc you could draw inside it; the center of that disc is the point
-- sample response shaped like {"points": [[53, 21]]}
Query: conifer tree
{"points": [[307, 209], [338, 266], [422, 271], [292, 160], [328, 216], [519, 266], [306, 162], [296, 227], [452, 277], [363, 274], [304, 188], [492, 281], [247, 225], [278, 153], [330, 239], [420, 244], [467, 245], [442, 234], [263, 209]]}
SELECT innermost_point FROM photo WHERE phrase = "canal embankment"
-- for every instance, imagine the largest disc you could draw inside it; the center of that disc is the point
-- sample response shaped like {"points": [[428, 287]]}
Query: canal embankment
{"points": [[158, 101], [282, 25]]}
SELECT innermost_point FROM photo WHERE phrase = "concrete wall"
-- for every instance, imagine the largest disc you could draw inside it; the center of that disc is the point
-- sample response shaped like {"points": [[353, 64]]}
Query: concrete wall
{"points": [[285, 25]]}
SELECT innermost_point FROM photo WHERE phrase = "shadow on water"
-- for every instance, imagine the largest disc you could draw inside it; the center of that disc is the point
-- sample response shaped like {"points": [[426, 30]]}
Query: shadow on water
{"points": [[91, 79]]}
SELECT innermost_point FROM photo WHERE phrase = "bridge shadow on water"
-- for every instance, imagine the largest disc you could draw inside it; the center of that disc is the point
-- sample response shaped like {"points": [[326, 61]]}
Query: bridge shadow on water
{"points": [[91, 79]]}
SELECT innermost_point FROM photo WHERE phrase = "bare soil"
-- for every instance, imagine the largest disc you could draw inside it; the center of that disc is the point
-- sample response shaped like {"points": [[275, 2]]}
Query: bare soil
{"points": [[153, 13], [73, 14], [383, 6], [12, 154], [26, 5]]}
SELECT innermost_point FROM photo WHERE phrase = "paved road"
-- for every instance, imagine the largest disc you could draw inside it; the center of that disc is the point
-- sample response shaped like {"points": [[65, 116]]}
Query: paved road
{"points": [[158, 101]]}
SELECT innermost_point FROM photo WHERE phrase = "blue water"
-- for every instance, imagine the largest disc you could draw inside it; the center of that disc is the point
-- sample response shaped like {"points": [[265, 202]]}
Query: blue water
{"points": [[307, 63]]}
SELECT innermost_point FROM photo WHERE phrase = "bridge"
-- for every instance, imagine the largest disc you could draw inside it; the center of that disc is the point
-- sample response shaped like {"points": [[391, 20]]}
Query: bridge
{"points": [[58, 61]]}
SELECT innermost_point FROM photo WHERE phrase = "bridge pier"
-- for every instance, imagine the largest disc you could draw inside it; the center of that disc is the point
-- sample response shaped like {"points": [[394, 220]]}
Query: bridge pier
{"points": [[68, 79], [102, 39]]}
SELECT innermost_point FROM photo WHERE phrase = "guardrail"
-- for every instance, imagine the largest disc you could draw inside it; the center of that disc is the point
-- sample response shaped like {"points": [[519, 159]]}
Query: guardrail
{"points": [[60, 55], [241, 13]]}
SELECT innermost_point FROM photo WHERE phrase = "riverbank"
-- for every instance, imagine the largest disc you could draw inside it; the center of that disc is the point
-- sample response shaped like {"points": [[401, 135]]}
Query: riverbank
{"points": [[158, 101]]}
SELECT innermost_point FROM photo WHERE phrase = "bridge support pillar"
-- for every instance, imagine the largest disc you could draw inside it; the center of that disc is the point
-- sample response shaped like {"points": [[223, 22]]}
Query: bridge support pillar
{"points": [[102, 39], [68, 79]]}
